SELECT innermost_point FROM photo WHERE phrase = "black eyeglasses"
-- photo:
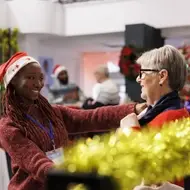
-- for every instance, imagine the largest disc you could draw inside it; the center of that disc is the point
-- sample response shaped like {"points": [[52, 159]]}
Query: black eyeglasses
{"points": [[143, 70]]}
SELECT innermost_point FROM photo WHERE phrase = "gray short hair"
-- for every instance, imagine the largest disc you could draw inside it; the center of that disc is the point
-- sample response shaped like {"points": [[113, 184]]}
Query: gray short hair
{"points": [[103, 69], [169, 58]]}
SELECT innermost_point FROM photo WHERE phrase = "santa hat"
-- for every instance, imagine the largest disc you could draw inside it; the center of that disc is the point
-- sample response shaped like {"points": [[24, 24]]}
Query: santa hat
{"points": [[9, 69], [57, 69]]}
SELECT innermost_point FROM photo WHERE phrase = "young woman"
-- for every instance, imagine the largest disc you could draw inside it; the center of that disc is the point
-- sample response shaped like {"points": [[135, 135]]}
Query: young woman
{"points": [[32, 131]]}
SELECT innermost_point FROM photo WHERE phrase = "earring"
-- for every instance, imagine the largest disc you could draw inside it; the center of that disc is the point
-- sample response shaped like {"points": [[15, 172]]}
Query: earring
{"points": [[160, 84]]}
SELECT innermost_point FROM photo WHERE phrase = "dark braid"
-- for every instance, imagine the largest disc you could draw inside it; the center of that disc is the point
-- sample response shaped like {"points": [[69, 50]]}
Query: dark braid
{"points": [[13, 109]]}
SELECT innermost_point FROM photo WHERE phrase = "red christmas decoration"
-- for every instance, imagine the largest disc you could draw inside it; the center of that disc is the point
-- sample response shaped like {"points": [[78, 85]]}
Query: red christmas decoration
{"points": [[128, 67], [185, 92]]}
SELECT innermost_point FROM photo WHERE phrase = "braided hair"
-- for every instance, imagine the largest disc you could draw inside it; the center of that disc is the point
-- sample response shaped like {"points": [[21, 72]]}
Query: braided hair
{"points": [[16, 112]]}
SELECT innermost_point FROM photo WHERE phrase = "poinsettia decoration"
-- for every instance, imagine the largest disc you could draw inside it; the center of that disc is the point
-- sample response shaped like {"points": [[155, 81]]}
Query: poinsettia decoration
{"points": [[185, 92], [128, 67]]}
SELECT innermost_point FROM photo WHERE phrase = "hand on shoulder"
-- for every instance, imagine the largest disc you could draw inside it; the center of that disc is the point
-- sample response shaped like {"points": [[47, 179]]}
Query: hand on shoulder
{"points": [[139, 107]]}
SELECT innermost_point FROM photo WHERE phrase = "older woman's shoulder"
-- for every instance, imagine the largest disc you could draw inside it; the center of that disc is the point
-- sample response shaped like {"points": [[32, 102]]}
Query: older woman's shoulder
{"points": [[167, 116]]}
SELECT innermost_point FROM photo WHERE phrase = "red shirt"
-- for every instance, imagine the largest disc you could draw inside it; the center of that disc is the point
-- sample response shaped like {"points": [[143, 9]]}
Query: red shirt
{"points": [[170, 115]]}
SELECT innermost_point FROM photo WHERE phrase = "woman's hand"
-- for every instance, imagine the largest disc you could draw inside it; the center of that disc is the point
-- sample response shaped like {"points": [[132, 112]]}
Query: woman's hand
{"points": [[129, 121], [140, 107]]}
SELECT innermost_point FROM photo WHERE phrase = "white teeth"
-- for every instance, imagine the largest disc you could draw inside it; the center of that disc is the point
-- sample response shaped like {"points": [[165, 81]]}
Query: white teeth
{"points": [[36, 91]]}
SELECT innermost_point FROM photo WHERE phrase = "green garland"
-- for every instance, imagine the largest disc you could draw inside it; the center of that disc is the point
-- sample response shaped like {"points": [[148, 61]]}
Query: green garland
{"points": [[8, 43], [8, 47]]}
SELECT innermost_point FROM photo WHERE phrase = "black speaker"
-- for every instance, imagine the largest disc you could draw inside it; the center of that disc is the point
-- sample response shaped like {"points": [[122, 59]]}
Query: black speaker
{"points": [[143, 36]]}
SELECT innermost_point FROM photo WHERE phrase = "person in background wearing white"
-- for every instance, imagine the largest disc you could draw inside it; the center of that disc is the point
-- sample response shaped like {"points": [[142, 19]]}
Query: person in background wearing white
{"points": [[105, 92]]}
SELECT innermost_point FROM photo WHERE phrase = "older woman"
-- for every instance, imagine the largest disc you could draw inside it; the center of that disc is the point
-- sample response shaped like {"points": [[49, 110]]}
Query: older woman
{"points": [[163, 73], [105, 92]]}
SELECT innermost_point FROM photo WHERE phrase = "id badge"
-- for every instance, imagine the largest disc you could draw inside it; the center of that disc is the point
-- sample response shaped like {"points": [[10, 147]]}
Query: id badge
{"points": [[57, 156]]}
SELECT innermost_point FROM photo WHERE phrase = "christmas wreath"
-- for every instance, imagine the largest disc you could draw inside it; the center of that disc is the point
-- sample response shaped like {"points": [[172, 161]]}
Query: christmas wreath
{"points": [[128, 67], [185, 92], [8, 47]]}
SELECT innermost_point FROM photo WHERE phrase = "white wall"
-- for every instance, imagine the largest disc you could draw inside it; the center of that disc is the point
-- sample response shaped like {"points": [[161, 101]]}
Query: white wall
{"points": [[67, 50], [166, 13], [7, 18], [33, 16], [3, 11], [101, 17], [112, 16], [39, 16], [177, 42]]}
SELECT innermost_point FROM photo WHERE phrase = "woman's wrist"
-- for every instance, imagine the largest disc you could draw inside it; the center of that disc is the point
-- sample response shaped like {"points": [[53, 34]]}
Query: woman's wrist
{"points": [[139, 107]]}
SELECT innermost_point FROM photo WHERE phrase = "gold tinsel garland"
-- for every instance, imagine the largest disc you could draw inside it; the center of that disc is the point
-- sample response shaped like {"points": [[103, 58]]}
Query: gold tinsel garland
{"points": [[153, 155]]}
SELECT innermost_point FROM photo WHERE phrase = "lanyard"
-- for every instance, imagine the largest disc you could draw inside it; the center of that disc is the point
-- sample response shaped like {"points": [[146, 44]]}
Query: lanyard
{"points": [[48, 131]]}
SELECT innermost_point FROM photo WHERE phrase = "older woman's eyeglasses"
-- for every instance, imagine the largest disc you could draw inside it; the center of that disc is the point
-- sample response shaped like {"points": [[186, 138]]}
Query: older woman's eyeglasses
{"points": [[142, 71]]}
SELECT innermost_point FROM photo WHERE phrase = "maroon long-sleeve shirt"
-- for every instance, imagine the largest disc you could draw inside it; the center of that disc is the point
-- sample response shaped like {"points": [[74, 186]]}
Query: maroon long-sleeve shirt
{"points": [[29, 161]]}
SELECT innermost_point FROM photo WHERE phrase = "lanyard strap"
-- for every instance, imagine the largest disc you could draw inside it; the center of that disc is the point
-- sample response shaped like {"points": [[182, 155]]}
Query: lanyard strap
{"points": [[49, 132]]}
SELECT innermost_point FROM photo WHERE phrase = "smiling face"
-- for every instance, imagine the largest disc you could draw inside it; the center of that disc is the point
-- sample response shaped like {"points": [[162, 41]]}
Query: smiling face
{"points": [[152, 78], [29, 81], [63, 77], [170, 74], [149, 82]]}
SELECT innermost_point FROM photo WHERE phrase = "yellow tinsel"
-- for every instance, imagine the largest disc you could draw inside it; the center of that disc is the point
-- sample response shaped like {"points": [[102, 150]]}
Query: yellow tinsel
{"points": [[153, 155]]}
